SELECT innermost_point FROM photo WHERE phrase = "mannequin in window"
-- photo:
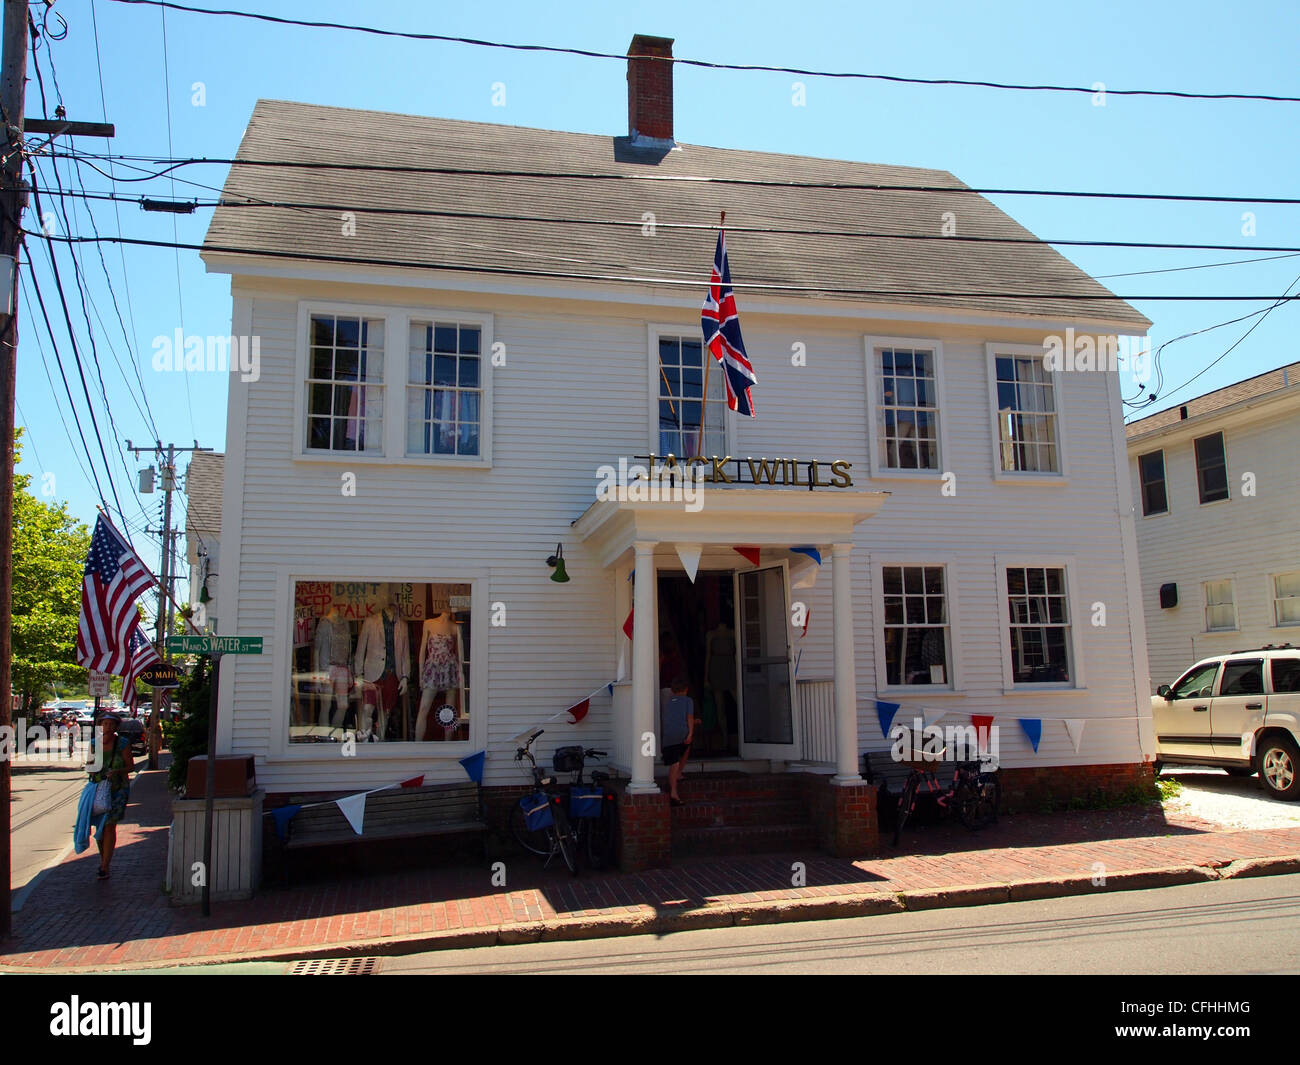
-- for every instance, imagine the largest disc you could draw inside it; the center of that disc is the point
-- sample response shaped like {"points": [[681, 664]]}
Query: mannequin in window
{"points": [[442, 669], [383, 662], [720, 672], [332, 650]]}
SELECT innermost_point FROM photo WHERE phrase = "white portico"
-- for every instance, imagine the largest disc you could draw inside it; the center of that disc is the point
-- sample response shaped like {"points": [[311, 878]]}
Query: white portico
{"points": [[640, 538]]}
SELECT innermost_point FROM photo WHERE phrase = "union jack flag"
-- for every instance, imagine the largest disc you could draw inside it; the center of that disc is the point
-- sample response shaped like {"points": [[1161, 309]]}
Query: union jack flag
{"points": [[113, 579], [140, 655], [721, 324]]}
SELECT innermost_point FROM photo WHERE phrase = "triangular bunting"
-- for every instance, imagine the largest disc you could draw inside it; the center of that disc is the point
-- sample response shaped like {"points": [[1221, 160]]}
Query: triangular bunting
{"points": [[750, 554], [473, 765], [885, 713], [579, 710], [690, 556], [413, 782], [1033, 727], [930, 715], [610, 687], [282, 815], [807, 617], [811, 552], [1074, 726], [627, 625], [354, 809], [982, 722], [805, 576]]}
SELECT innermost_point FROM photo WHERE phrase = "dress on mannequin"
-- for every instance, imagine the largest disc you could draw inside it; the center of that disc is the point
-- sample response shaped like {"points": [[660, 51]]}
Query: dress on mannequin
{"points": [[441, 668]]}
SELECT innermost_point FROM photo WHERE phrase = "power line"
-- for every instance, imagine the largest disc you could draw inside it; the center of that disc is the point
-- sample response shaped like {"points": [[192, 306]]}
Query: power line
{"points": [[638, 223], [692, 179], [700, 282], [1200, 266], [706, 64]]}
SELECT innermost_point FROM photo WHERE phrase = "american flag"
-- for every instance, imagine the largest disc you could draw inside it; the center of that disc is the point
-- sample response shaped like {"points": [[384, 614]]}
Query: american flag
{"points": [[721, 324], [140, 655], [114, 578]]}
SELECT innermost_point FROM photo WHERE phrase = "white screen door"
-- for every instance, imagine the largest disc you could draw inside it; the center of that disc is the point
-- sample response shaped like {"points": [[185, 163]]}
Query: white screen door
{"points": [[767, 726]]}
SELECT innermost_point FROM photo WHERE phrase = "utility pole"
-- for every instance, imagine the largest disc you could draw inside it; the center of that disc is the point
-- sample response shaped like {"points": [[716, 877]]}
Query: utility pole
{"points": [[166, 578], [13, 198]]}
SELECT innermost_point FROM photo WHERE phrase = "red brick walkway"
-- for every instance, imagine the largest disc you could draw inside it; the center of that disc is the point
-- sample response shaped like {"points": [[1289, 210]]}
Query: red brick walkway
{"points": [[73, 920]]}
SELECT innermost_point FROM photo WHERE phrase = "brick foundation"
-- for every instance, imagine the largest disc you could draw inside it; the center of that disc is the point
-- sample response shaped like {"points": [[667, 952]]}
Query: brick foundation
{"points": [[1027, 789], [845, 817], [645, 832]]}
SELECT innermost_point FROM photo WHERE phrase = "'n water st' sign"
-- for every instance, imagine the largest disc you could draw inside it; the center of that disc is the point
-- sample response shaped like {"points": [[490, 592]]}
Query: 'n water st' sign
{"points": [[208, 644]]}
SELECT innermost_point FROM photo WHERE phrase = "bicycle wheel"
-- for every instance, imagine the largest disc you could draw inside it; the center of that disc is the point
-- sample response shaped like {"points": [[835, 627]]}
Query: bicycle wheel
{"points": [[535, 841], [977, 802], [562, 834], [905, 803]]}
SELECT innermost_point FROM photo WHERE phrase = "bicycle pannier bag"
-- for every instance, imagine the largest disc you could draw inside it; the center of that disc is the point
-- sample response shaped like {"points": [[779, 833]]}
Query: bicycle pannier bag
{"points": [[537, 811], [567, 759], [585, 801]]}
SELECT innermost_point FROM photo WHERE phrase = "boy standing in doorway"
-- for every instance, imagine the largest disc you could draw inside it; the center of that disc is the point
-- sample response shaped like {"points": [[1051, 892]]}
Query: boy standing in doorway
{"points": [[678, 721]]}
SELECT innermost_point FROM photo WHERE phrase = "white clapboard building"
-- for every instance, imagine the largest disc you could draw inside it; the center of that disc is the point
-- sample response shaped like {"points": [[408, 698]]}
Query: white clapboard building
{"points": [[466, 331]]}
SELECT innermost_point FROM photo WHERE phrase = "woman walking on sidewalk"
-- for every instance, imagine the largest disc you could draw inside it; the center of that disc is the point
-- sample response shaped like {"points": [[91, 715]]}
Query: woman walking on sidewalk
{"points": [[115, 767]]}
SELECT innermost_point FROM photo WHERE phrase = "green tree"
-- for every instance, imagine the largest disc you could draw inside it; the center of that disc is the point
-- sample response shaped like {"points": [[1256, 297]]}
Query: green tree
{"points": [[50, 548]]}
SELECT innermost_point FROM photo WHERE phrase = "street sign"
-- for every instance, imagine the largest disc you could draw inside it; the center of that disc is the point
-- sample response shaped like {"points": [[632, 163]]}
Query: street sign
{"points": [[209, 644], [161, 675], [98, 684]]}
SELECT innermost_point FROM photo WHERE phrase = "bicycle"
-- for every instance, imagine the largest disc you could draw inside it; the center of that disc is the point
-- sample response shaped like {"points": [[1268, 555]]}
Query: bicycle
{"points": [[591, 805], [974, 793], [538, 821]]}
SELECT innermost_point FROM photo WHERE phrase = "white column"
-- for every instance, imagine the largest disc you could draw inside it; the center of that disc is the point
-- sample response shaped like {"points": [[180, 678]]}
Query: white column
{"points": [[846, 679], [644, 688]]}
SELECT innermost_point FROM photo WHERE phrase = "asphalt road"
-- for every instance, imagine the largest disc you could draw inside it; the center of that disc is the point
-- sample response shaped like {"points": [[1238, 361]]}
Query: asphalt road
{"points": [[1234, 926]]}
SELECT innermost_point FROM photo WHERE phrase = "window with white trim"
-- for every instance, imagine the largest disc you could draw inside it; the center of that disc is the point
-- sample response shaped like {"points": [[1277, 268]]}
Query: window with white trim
{"points": [[444, 390], [684, 363], [907, 408], [345, 391], [1220, 612], [1027, 412], [1211, 468], [1039, 614], [1286, 599], [916, 625]]}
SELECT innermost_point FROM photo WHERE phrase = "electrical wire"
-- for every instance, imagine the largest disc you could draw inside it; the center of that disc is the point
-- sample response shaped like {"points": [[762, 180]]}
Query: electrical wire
{"points": [[803, 72]]}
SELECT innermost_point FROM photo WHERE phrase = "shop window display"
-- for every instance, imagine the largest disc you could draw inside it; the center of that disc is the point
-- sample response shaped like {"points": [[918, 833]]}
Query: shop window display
{"points": [[380, 662]]}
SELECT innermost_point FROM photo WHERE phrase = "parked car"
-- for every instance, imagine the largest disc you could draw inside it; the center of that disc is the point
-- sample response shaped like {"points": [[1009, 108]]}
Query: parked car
{"points": [[1239, 711]]}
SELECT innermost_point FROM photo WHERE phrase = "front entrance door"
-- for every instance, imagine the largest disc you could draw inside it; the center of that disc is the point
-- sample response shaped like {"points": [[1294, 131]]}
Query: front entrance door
{"points": [[767, 727]]}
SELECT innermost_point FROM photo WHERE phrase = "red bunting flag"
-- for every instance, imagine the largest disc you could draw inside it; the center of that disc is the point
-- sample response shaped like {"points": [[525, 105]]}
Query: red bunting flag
{"points": [[414, 782], [627, 625], [579, 710], [982, 723], [750, 554]]}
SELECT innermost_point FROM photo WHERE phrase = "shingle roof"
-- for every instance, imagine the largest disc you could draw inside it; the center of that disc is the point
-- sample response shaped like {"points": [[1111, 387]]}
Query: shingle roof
{"points": [[1284, 377], [285, 131], [203, 481]]}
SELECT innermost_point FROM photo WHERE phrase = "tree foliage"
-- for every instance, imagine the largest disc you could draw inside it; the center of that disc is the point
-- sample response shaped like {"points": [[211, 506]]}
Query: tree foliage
{"points": [[50, 548]]}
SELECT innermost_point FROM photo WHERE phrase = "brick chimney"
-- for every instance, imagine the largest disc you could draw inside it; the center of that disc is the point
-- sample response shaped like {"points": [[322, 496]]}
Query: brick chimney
{"points": [[650, 89]]}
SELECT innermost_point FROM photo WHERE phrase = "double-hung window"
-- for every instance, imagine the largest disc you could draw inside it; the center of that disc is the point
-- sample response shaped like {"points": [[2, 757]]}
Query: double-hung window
{"points": [[1220, 610], [1038, 610], [1151, 472], [687, 425], [345, 389], [1025, 398], [1286, 599], [916, 626], [444, 390], [1211, 468]]}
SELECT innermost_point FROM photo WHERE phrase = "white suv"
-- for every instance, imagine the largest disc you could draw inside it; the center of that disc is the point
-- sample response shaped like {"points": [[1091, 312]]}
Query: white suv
{"points": [[1239, 711]]}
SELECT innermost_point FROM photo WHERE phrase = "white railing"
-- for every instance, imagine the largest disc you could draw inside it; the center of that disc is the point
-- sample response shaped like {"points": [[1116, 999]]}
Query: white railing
{"points": [[623, 740], [817, 720]]}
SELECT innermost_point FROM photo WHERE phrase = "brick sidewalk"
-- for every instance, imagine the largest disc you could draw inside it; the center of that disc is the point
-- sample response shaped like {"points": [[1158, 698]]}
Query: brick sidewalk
{"points": [[71, 920]]}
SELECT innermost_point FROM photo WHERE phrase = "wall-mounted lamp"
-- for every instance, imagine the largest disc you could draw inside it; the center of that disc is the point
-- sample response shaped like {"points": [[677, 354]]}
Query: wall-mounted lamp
{"points": [[557, 561]]}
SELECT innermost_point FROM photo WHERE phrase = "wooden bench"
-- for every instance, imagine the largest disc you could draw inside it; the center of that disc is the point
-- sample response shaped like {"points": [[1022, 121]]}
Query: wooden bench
{"points": [[432, 810]]}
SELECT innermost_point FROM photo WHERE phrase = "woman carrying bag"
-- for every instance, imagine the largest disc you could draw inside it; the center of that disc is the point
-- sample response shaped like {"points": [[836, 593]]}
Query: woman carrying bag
{"points": [[112, 783]]}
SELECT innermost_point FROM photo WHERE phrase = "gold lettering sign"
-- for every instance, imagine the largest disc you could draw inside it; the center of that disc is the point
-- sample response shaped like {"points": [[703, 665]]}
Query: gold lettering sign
{"points": [[763, 471]]}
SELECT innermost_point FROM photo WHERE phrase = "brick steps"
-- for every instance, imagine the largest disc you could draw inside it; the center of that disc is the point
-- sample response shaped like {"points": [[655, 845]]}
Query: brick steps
{"points": [[740, 813], [717, 812], [743, 839]]}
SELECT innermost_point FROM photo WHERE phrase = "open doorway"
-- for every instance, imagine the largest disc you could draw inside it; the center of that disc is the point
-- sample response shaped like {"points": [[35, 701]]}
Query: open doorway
{"points": [[697, 640]]}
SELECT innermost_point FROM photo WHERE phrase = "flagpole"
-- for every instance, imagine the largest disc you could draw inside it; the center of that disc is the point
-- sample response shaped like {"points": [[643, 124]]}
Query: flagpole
{"points": [[708, 365]]}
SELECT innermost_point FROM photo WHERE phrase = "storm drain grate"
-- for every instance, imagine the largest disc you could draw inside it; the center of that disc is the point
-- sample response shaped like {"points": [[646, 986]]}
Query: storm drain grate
{"points": [[335, 967]]}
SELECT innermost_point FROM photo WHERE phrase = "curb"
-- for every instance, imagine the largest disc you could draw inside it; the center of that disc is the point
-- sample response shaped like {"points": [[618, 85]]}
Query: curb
{"points": [[650, 921]]}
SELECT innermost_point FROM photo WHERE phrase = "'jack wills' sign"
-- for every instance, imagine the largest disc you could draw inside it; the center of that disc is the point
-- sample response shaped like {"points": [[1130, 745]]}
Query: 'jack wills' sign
{"points": [[803, 473]]}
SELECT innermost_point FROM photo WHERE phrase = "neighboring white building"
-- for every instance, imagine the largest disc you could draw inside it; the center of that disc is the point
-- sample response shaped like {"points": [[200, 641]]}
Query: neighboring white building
{"points": [[439, 393], [1216, 487], [203, 488]]}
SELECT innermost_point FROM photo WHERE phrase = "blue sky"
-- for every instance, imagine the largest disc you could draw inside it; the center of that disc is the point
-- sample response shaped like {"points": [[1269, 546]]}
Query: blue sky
{"points": [[985, 137]]}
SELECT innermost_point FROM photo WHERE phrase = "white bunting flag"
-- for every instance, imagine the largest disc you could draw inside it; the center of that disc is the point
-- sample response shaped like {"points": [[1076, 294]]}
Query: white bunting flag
{"points": [[354, 809], [690, 556], [1074, 726]]}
